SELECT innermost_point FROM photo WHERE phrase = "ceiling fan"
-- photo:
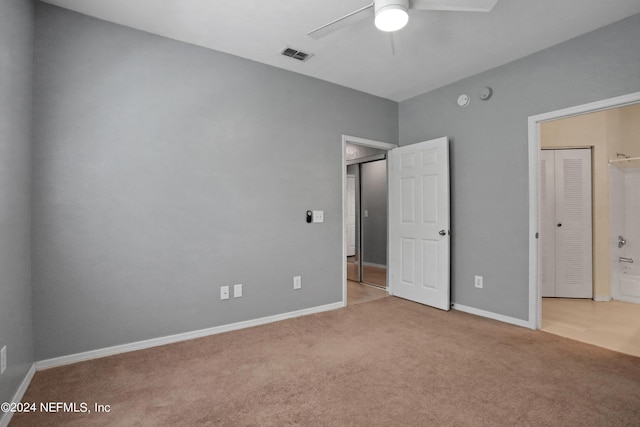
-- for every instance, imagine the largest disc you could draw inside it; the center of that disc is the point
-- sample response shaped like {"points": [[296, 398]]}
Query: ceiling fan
{"points": [[392, 15]]}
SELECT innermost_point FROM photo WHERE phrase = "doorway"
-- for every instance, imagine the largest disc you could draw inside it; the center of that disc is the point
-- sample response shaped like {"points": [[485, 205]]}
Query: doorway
{"points": [[365, 219], [418, 220], [366, 215], [601, 127]]}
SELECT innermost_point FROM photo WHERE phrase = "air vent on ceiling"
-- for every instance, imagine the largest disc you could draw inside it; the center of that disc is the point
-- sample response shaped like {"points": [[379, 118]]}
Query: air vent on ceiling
{"points": [[296, 54]]}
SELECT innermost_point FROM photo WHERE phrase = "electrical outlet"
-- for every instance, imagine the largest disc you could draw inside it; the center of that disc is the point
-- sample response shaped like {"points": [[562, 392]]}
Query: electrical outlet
{"points": [[3, 359], [297, 282], [237, 291], [478, 282], [224, 292]]}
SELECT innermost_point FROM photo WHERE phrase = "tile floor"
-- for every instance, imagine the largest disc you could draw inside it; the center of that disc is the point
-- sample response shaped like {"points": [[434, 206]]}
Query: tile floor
{"points": [[614, 325]]}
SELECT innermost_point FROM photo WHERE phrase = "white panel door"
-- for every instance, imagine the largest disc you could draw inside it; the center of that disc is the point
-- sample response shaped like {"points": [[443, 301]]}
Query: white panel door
{"points": [[565, 245], [351, 215], [573, 224], [419, 223]]}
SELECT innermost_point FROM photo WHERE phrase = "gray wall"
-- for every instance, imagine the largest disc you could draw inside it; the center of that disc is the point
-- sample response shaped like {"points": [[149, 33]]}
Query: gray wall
{"points": [[16, 51], [489, 160], [163, 171], [374, 199]]}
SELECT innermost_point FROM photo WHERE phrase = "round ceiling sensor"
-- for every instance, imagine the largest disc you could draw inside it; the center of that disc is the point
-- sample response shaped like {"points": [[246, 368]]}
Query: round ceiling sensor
{"points": [[463, 100], [485, 93]]}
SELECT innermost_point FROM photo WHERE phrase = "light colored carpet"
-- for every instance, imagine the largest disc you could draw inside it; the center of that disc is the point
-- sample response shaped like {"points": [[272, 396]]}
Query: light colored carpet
{"points": [[389, 362]]}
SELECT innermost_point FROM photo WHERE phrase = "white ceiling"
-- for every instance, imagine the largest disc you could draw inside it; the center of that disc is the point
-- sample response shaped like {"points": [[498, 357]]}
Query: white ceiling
{"points": [[434, 49]]}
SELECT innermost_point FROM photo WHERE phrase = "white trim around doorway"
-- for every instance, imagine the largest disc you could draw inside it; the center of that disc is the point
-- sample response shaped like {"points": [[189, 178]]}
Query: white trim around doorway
{"points": [[367, 143], [535, 295]]}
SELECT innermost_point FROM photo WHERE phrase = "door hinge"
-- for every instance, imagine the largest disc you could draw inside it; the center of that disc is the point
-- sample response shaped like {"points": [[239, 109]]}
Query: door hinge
{"points": [[537, 235]]}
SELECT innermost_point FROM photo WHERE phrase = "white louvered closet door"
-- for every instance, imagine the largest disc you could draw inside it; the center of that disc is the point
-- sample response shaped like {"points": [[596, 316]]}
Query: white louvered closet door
{"points": [[573, 228], [565, 226]]}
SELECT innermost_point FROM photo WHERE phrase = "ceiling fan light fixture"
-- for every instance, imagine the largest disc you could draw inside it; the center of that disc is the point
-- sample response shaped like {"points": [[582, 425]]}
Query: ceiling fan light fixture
{"points": [[391, 15]]}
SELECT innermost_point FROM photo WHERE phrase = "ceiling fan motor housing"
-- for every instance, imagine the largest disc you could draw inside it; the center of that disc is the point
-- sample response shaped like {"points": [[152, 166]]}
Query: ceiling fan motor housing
{"points": [[391, 15], [380, 4]]}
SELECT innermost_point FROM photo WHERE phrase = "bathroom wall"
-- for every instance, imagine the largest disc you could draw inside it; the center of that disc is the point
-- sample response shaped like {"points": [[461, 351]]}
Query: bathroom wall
{"points": [[632, 213], [625, 221], [624, 184], [630, 125], [617, 205], [631, 130]]}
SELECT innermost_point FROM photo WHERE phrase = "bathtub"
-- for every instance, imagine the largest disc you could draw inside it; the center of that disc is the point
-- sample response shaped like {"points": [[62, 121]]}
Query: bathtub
{"points": [[626, 283]]}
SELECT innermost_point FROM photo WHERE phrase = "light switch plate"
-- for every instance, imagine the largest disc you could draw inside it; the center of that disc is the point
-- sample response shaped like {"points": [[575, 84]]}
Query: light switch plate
{"points": [[297, 282], [237, 291], [224, 292], [318, 216]]}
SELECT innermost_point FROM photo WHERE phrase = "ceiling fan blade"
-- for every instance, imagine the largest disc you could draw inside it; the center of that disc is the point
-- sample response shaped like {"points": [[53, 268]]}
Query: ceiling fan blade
{"points": [[340, 23], [455, 5]]}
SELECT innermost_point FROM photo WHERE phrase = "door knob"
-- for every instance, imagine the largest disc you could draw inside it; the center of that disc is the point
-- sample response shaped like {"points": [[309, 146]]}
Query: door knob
{"points": [[559, 225], [621, 241], [442, 233]]}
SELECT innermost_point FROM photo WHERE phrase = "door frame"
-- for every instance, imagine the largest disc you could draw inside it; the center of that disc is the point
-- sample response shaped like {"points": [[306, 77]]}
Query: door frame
{"points": [[534, 122], [367, 143]]}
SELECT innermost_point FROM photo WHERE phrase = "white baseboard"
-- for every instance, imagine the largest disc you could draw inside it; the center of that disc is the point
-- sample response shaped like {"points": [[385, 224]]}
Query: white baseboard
{"points": [[155, 342], [602, 298], [5, 419], [373, 264], [494, 316]]}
